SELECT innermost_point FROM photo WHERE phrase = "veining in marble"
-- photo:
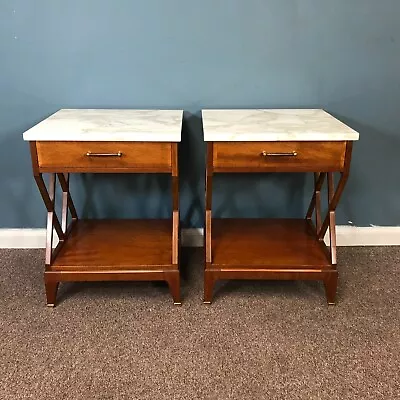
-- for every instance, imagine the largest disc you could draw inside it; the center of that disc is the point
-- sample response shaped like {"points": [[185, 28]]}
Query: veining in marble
{"points": [[109, 125], [274, 125]]}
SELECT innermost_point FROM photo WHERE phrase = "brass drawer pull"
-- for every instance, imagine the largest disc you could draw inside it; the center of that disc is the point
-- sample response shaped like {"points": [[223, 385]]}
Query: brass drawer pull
{"points": [[291, 154], [90, 154]]}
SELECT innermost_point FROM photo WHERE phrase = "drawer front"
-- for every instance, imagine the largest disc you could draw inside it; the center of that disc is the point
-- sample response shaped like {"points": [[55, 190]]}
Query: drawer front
{"points": [[104, 156], [278, 156]]}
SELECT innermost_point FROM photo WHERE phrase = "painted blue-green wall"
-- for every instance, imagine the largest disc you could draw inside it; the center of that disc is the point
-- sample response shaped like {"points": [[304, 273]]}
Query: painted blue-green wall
{"points": [[341, 55]]}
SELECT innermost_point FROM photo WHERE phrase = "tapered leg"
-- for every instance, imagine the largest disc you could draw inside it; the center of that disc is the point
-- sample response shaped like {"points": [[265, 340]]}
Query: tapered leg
{"points": [[51, 293], [330, 283], [173, 280], [209, 282]]}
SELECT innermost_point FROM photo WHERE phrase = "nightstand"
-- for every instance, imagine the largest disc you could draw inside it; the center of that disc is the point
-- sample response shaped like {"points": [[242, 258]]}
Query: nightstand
{"points": [[107, 141], [258, 141]]}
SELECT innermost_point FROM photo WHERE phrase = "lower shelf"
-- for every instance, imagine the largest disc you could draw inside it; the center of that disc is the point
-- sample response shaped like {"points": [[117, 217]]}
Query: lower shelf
{"points": [[266, 243], [117, 244]]}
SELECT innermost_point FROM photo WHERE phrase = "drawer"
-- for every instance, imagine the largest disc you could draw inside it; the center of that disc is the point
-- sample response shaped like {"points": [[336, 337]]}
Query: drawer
{"points": [[278, 156], [104, 156]]}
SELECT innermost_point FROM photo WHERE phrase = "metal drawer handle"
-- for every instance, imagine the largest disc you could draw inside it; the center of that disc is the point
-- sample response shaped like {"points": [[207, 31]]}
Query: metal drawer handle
{"points": [[291, 154], [90, 154]]}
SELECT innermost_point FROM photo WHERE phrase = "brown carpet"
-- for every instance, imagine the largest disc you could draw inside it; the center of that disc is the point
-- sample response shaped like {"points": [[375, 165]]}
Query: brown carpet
{"points": [[258, 340]]}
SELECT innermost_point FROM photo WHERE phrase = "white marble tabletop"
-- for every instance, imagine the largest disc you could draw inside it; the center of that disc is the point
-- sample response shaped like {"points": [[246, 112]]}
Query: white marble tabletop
{"points": [[109, 125], [274, 125]]}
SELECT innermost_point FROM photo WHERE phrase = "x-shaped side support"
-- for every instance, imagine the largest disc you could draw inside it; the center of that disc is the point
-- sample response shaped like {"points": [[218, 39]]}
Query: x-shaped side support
{"points": [[333, 200], [53, 222]]}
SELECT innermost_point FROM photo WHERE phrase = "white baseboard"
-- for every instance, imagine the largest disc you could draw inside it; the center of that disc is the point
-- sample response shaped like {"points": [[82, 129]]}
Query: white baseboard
{"points": [[22, 238], [346, 236], [368, 236]]}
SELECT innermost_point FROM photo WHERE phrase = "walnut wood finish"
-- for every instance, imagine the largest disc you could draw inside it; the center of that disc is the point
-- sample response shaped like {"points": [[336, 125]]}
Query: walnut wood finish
{"points": [[68, 204], [141, 244], [50, 220], [315, 204], [209, 175], [135, 156], [49, 202], [98, 250], [276, 248], [332, 219], [278, 156], [276, 243], [334, 201], [175, 205]]}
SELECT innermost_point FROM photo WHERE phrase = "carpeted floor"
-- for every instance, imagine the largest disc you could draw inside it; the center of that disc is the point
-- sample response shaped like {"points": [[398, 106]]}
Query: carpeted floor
{"points": [[258, 340]]}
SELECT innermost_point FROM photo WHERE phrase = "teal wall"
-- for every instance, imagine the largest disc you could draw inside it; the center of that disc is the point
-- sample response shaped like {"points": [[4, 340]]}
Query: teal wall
{"points": [[341, 55]]}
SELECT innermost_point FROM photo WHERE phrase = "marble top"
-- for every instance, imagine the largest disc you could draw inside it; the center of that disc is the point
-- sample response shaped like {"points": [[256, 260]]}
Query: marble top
{"points": [[109, 125], [274, 125]]}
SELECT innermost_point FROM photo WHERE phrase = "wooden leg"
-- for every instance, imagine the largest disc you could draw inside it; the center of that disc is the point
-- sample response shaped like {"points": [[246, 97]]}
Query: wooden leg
{"points": [[209, 282], [173, 280], [330, 283], [332, 220], [208, 201], [317, 201], [173, 277], [315, 204], [51, 293]]}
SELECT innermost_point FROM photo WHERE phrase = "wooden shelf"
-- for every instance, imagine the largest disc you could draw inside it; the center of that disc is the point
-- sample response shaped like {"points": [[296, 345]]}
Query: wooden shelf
{"points": [[266, 243], [117, 244]]}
